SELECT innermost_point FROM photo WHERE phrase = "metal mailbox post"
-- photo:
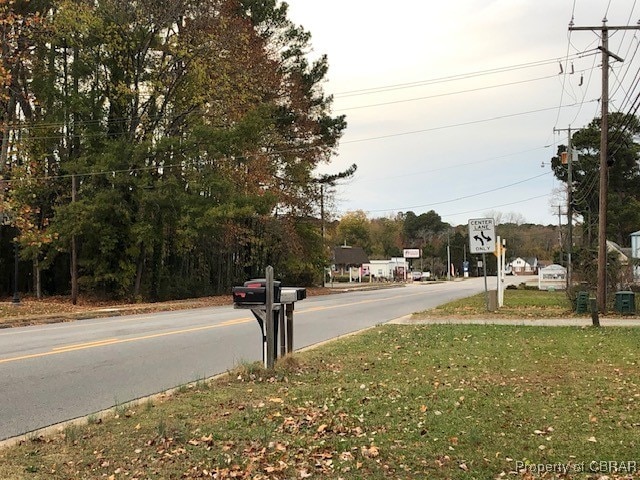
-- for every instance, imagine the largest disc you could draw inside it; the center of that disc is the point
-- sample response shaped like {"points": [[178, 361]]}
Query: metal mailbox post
{"points": [[273, 308]]}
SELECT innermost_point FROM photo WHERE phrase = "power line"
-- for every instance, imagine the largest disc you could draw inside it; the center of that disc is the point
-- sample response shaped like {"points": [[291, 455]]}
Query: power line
{"points": [[463, 76], [459, 165], [478, 89], [462, 124], [517, 202], [465, 196], [496, 206]]}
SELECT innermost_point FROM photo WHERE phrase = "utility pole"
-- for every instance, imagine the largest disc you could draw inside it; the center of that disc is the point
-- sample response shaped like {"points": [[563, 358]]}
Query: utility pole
{"points": [[448, 257], [16, 262], [601, 294], [569, 204], [74, 248], [331, 181], [560, 226]]}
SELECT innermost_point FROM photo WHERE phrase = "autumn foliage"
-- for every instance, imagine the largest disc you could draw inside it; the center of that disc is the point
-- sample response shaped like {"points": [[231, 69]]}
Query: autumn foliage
{"points": [[169, 146]]}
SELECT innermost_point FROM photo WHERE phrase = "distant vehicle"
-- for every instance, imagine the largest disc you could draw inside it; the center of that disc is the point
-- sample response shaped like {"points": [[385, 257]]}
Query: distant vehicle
{"points": [[416, 276]]}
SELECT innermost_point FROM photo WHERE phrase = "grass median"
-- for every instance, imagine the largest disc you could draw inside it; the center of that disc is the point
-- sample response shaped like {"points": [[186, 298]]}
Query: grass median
{"points": [[396, 401]]}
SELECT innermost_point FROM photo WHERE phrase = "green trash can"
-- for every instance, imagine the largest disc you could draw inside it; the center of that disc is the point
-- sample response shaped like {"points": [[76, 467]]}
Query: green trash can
{"points": [[582, 302], [625, 303]]}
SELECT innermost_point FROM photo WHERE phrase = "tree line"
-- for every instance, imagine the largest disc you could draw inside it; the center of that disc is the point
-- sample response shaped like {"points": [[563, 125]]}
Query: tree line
{"points": [[439, 241], [156, 150]]}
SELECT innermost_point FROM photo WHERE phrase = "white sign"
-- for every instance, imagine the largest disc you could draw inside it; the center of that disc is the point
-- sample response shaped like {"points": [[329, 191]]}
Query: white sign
{"points": [[482, 235], [411, 253]]}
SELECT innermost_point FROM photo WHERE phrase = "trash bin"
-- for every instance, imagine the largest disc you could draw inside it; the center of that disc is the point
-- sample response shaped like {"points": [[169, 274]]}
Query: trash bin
{"points": [[582, 302], [625, 303]]}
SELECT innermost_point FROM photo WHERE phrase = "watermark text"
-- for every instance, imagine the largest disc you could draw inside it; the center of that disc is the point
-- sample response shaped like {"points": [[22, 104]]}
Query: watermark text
{"points": [[595, 466]]}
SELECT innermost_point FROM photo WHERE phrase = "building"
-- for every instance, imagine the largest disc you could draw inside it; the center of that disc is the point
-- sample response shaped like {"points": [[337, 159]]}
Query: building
{"points": [[346, 259], [635, 254], [394, 269], [522, 266], [623, 253]]}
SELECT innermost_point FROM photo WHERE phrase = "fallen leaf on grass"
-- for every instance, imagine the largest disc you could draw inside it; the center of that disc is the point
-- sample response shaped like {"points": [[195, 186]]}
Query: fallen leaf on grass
{"points": [[370, 452]]}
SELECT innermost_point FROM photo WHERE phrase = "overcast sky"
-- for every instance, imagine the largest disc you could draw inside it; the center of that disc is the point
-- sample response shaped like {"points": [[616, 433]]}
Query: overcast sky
{"points": [[451, 105]]}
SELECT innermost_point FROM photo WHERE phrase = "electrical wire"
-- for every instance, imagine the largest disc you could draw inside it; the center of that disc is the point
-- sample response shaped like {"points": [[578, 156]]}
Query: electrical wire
{"points": [[471, 90], [462, 124], [464, 76], [585, 90], [459, 165], [495, 206], [629, 62], [517, 202], [564, 77], [465, 196]]}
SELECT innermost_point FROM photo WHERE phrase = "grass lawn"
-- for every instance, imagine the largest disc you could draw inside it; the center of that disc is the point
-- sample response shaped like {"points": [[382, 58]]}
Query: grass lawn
{"points": [[517, 304], [397, 401]]}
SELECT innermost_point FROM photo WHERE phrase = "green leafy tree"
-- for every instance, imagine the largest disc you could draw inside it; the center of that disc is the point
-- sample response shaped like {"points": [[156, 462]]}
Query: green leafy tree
{"points": [[354, 230], [386, 237], [623, 199]]}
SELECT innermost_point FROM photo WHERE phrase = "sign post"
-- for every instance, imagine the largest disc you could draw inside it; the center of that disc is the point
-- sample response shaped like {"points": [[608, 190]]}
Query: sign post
{"points": [[500, 258], [482, 239]]}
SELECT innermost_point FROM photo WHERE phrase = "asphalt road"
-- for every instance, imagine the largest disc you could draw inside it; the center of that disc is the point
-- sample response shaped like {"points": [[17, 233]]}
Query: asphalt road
{"points": [[53, 373]]}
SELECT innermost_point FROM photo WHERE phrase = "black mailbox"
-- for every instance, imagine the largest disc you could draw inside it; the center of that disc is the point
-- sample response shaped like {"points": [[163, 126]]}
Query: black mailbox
{"points": [[254, 292]]}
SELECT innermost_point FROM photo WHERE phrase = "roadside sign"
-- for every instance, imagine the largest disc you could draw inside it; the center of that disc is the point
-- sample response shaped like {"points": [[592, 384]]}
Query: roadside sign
{"points": [[411, 253], [482, 235]]}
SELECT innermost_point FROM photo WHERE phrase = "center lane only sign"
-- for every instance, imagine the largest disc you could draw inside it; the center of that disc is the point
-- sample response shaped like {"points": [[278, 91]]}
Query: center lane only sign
{"points": [[482, 235]]}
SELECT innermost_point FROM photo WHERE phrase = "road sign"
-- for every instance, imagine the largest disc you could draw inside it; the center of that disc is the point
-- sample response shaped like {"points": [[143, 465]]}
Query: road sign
{"points": [[482, 235]]}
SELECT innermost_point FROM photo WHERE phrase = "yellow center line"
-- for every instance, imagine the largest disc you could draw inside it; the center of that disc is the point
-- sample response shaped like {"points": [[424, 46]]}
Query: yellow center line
{"points": [[361, 302], [80, 346], [237, 321], [115, 341]]}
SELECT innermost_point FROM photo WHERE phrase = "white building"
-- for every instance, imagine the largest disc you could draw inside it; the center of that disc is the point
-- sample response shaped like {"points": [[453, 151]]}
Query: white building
{"points": [[635, 253], [522, 266], [395, 268]]}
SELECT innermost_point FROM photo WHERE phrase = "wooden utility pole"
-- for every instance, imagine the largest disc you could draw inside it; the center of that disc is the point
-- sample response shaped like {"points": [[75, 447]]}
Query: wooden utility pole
{"points": [[331, 181], [601, 294], [74, 248], [569, 204]]}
